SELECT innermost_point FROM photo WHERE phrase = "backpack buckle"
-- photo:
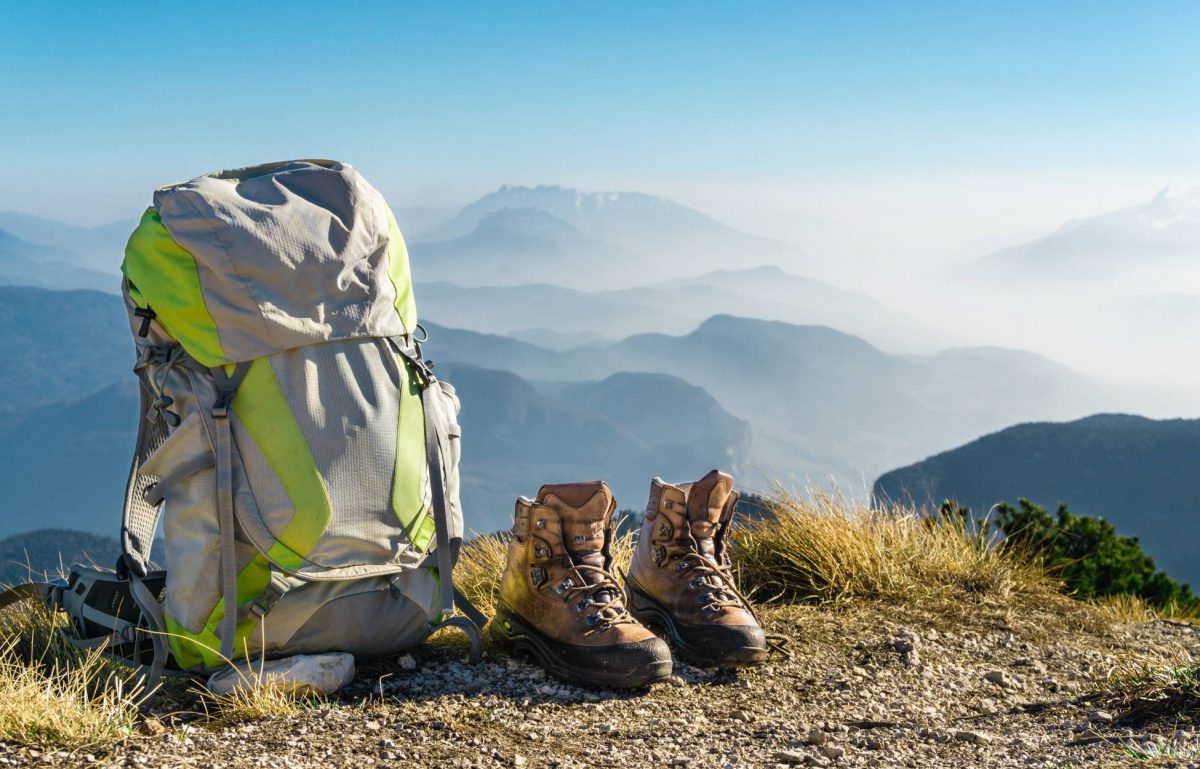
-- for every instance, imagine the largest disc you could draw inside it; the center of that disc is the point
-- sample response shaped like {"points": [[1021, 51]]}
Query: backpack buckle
{"points": [[224, 401], [266, 600]]}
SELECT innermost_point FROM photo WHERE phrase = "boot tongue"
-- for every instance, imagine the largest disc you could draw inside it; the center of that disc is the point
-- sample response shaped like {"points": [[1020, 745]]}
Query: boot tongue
{"points": [[706, 500], [583, 511]]}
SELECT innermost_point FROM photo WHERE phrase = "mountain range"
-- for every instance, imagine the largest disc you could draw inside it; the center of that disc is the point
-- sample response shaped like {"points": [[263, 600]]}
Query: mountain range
{"points": [[98, 249], [72, 409], [583, 240], [613, 335], [562, 317], [820, 403], [1138, 473]]}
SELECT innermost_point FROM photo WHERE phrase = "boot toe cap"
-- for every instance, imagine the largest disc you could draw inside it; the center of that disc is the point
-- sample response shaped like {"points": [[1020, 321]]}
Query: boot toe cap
{"points": [[625, 665], [720, 644]]}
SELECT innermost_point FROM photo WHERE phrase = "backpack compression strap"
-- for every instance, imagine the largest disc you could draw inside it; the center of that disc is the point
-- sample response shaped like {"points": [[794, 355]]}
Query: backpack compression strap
{"points": [[227, 385], [447, 548]]}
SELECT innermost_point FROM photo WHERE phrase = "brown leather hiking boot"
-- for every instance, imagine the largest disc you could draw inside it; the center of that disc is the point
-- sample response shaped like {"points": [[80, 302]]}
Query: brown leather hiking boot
{"points": [[559, 600], [680, 579]]}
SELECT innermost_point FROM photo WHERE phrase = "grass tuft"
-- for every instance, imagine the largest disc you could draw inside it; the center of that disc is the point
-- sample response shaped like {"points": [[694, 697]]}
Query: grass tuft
{"points": [[829, 550], [1158, 696], [53, 695]]}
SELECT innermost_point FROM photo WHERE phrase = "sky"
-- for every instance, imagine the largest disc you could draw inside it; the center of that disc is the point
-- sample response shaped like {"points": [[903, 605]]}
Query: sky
{"points": [[887, 140], [795, 119]]}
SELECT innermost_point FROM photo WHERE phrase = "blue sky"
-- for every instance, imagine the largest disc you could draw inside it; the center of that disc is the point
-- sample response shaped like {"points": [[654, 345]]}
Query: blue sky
{"points": [[439, 102]]}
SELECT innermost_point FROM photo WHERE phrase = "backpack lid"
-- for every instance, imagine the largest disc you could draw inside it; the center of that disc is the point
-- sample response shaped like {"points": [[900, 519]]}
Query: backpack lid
{"points": [[244, 263]]}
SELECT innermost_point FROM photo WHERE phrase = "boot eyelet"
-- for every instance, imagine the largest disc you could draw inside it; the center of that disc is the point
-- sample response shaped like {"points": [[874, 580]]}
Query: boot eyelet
{"points": [[541, 523], [583, 605], [696, 583], [660, 553], [562, 586], [705, 600], [537, 576], [593, 619], [664, 530]]}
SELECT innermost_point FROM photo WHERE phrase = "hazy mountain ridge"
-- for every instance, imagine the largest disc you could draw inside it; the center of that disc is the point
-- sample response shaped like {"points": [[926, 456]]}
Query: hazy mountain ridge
{"points": [[59, 346], [654, 237], [66, 464], [99, 248], [1138, 473], [29, 264], [820, 402], [517, 437], [512, 246], [1121, 242], [676, 307]]}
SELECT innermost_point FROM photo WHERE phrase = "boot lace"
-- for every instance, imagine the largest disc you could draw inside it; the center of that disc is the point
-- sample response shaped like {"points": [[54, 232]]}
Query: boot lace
{"points": [[705, 572], [604, 594], [724, 592]]}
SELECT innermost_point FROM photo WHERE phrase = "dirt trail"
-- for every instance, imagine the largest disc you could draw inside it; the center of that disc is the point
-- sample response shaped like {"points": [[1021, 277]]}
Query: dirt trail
{"points": [[871, 685]]}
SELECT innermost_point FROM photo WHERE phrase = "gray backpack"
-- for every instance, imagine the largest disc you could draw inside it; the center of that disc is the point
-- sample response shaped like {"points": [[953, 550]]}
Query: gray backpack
{"points": [[300, 452]]}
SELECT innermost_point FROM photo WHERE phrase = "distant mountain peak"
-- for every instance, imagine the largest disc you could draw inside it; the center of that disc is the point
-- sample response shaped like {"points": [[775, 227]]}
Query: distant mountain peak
{"points": [[526, 221], [555, 196], [1110, 244]]}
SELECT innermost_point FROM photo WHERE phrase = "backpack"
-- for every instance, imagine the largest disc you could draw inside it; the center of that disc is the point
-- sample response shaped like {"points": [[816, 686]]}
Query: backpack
{"points": [[301, 454]]}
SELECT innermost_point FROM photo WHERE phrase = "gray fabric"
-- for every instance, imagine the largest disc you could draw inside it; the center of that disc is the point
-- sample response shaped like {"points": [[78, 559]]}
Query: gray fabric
{"points": [[157, 492], [345, 397], [226, 389], [288, 254], [364, 618]]}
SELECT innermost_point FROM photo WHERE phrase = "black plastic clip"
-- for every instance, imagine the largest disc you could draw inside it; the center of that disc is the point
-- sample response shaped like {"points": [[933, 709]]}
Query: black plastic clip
{"points": [[147, 315]]}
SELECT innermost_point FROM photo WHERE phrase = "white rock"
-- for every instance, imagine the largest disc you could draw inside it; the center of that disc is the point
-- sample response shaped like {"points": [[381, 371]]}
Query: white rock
{"points": [[976, 738], [302, 674], [407, 662], [790, 757], [997, 677], [1100, 717], [817, 737]]}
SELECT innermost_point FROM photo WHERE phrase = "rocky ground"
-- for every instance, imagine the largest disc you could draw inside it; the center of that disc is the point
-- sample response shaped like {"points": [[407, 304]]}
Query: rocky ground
{"points": [[867, 686]]}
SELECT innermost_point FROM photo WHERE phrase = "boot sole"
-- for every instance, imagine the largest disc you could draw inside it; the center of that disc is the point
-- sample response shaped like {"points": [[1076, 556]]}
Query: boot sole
{"points": [[650, 612], [603, 671]]}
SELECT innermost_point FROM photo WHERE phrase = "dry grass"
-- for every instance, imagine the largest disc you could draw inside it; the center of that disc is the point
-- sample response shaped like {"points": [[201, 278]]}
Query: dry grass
{"points": [[1129, 609], [55, 696], [255, 700], [828, 551], [479, 569]]}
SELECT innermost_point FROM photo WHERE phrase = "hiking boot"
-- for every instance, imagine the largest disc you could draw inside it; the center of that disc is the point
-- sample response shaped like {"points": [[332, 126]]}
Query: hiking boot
{"points": [[559, 600], [680, 578]]}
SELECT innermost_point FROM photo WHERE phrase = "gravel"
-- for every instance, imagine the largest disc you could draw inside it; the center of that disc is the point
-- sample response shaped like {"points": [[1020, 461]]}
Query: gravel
{"points": [[867, 686]]}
